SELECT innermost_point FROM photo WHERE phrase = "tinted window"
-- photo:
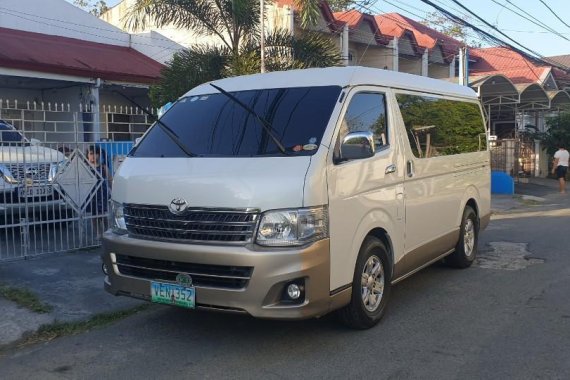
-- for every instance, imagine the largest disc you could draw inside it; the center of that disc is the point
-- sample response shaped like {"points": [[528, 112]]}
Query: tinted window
{"points": [[440, 127], [366, 112], [215, 125]]}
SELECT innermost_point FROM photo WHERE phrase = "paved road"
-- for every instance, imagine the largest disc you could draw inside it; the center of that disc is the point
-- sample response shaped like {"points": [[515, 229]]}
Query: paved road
{"points": [[506, 317]]}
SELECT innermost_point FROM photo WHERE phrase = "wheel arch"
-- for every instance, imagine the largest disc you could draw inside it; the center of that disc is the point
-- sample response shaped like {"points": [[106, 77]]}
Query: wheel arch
{"points": [[470, 198]]}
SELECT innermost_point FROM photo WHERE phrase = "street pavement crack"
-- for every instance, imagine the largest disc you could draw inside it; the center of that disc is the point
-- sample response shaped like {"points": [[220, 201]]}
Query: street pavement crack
{"points": [[506, 256]]}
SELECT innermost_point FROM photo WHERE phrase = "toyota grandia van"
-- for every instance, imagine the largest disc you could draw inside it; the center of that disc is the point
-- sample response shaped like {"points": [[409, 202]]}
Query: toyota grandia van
{"points": [[292, 194]]}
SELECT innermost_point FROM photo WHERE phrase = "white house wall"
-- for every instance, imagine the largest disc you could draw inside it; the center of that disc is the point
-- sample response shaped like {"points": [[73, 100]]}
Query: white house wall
{"points": [[117, 16], [155, 46], [363, 34], [406, 46], [59, 18], [280, 18], [436, 55], [372, 56], [410, 65], [438, 71]]}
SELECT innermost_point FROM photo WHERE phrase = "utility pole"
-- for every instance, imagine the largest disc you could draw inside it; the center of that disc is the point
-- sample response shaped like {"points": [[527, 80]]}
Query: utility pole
{"points": [[464, 66], [262, 31]]}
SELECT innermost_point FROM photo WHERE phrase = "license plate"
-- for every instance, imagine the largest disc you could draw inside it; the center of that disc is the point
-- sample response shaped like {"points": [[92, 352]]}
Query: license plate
{"points": [[35, 191], [172, 294]]}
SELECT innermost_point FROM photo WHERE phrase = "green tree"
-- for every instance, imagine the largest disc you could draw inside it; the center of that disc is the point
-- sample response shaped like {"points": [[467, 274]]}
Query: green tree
{"points": [[310, 12], [557, 134], [235, 26], [96, 8]]}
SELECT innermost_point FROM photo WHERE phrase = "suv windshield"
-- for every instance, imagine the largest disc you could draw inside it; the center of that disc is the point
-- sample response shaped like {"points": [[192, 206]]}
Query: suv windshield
{"points": [[8, 134], [215, 125]]}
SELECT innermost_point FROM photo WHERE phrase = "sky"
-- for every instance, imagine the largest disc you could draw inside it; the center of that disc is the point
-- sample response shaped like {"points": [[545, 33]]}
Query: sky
{"points": [[495, 12]]}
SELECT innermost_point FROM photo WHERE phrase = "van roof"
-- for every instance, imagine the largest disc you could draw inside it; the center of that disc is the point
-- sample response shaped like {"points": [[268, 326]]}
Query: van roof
{"points": [[340, 76]]}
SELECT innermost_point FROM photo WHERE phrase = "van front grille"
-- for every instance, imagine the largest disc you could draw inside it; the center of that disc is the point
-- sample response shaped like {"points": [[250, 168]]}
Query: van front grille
{"points": [[216, 276], [38, 172], [211, 226]]}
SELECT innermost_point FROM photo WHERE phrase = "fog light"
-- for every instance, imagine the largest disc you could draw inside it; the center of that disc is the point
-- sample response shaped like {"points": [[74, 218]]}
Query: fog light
{"points": [[293, 291], [104, 267]]}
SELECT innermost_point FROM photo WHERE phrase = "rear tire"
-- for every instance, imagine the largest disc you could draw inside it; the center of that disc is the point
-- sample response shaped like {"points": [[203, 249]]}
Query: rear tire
{"points": [[466, 248], [370, 286]]}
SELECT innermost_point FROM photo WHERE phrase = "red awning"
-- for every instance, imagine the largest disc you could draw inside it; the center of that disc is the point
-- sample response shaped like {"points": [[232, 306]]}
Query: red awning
{"points": [[69, 56]]}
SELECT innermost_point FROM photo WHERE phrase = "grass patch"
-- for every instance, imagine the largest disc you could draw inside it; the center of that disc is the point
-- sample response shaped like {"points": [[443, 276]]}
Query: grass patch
{"points": [[58, 329], [24, 298]]}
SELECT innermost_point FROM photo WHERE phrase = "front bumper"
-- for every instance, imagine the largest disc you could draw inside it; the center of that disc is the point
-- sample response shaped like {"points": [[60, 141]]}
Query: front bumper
{"points": [[12, 203], [260, 297]]}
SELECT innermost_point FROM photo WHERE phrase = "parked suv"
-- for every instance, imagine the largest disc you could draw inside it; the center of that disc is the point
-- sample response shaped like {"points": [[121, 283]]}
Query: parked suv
{"points": [[27, 173]]}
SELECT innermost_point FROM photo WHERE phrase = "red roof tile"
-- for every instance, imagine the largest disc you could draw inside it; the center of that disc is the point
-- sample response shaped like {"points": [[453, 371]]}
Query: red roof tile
{"points": [[394, 24], [69, 56], [354, 19], [507, 62]]}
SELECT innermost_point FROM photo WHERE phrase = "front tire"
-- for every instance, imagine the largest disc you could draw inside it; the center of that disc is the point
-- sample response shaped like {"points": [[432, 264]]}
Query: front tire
{"points": [[370, 286], [466, 248]]}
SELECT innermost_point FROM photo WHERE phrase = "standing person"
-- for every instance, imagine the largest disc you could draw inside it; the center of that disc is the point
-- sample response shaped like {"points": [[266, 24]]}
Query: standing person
{"points": [[98, 206], [560, 167]]}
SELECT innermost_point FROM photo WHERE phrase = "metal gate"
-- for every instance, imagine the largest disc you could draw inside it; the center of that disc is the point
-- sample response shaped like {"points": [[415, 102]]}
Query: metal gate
{"points": [[55, 181], [515, 157]]}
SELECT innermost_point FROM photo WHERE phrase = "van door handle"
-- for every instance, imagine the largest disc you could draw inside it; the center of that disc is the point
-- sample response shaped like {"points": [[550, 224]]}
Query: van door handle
{"points": [[390, 169], [410, 168]]}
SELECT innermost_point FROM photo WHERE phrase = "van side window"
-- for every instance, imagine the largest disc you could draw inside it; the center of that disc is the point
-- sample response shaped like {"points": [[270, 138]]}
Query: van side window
{"points": [[441, 127], [367, 112]]}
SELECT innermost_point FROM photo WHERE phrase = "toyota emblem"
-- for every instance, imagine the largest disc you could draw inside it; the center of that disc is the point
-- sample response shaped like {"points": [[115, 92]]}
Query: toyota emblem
{"points": [[33, 172], [178, 206]]}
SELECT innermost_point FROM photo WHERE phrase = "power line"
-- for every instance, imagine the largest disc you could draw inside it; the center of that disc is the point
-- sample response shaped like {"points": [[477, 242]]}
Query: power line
{"points": [[554, 13], [495, 28], [532, 19], [493, 38]]}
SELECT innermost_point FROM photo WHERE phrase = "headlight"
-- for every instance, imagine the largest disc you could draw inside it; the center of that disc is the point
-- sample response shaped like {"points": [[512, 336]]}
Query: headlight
{"points": [[285, 228], [7, 176], [117, 217], [54, 169]]}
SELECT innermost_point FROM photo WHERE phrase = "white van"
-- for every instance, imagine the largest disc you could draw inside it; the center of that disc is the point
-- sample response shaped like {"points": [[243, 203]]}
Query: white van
{"points": [[292, 194]]}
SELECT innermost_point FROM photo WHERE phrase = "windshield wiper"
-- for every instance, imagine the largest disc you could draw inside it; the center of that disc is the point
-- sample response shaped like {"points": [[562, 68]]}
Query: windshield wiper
{"points": [[264, 123], [169, 132]]}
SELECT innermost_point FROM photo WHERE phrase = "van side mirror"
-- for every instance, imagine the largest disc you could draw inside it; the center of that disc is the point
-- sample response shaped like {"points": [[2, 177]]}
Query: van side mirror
{"points": [[35, 142], [357, 145]]}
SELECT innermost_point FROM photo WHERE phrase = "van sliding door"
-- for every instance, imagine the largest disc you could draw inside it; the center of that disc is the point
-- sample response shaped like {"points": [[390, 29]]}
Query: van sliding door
{"points": [[441, 135]]}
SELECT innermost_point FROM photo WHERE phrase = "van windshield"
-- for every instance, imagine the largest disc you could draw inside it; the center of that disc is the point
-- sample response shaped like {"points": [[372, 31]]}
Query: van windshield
{"points": [[216, 126]]}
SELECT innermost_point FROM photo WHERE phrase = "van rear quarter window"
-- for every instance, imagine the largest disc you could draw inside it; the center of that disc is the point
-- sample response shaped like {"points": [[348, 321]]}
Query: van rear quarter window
{"points": [[441, 127], [213, 125]]}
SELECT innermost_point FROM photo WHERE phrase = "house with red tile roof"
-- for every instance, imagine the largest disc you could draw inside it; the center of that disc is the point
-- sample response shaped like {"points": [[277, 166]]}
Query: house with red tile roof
{"points": [[537, 89], [518, 68], [421, 50], [367, 46]]}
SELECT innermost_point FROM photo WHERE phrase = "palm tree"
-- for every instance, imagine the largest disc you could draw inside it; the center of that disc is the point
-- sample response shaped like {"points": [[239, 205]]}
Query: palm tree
{"points": [[234, 24]]}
